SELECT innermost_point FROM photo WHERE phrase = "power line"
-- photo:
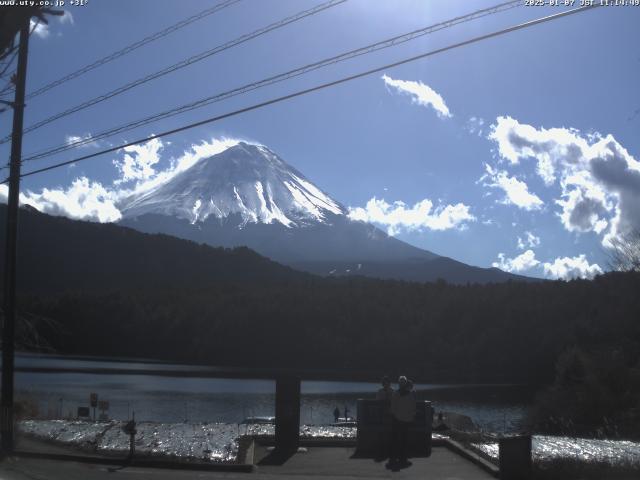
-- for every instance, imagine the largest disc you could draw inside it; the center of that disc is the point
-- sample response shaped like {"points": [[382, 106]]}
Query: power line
{"points": [[9, 51], [319, 87], [8, 64], [8, 86], [7, 89], [182, 64], [133, 46], [390, 42], [9, 61]]}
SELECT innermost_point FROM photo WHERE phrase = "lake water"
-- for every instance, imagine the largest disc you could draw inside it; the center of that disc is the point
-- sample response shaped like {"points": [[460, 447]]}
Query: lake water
{"points": [[495, 408], [197, 418]]}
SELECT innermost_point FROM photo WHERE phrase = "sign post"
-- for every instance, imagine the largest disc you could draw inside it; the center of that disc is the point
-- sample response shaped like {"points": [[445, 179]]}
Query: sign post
{"points": [[103, 406], [93, 400]]}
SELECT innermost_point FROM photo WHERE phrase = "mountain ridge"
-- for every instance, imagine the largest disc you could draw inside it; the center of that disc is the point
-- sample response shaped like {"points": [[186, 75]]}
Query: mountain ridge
{"points": [[57, 253]]}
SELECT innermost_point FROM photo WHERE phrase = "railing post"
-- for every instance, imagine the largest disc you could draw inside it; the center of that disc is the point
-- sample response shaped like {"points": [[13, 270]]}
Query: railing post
{"points": [[287, 413], [515, 457]]}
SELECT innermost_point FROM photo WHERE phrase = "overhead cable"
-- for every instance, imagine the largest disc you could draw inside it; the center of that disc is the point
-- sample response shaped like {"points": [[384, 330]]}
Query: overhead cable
{"points": [[390, 42], [177, 66], [130, 48], [349, 78]]}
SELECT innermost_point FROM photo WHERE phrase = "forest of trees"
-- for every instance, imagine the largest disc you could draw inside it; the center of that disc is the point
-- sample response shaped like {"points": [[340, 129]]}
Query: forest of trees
{"points": [[511, 332]]}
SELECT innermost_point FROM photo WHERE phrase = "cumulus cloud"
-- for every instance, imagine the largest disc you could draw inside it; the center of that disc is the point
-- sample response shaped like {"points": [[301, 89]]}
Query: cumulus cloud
{"points": [[562, 268], [420, 94], [549, 147], [138, 161], [566, 268], [599, 180], [475, 126], [398, 216], [189, 158], [516, 191], [529, 240], [83, 200], [4, 196], [582, 211], [66, 17], [81, 141], [39, 29], [92, 201], [524, 261]]}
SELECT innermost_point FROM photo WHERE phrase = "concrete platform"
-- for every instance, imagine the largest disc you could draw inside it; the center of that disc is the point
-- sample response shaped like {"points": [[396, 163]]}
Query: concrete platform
{"points": [[339, 462], [315, 462]]}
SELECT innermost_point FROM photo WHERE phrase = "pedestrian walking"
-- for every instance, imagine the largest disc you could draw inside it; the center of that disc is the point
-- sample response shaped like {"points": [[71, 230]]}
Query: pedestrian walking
{"points": [[385, 392], [403, 413], [383, 395]]}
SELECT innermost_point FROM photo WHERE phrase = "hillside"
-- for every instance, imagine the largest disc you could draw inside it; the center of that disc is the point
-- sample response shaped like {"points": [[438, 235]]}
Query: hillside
{"points": [[57, 254]]}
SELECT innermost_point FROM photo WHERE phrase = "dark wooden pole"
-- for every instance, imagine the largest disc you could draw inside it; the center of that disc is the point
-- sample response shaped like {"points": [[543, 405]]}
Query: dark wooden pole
{"points": [[9, 320], [287, 414]]}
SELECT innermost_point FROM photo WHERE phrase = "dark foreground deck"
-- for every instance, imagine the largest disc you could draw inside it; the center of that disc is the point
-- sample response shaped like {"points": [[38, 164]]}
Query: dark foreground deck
{"points": [[320, 462], [338, 463]]}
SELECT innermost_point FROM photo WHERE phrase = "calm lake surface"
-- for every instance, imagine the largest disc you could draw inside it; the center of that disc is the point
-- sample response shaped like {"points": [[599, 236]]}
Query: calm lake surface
{"points": [[494, 408]]}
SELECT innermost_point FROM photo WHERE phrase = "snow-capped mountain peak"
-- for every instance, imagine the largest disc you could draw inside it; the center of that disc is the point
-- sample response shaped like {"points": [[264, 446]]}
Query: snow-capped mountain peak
{"points": [[248, 196], [246, 180]]}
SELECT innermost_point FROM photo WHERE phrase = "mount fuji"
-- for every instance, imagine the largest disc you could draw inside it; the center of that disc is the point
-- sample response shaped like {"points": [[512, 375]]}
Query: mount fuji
{"points": [[248, 196]]}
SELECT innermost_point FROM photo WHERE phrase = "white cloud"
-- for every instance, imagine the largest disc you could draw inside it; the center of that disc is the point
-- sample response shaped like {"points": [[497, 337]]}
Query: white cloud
{"points": [[39, 29], [549, 147], [599, 180], [42, 30], [398, 216], [524, 261], [420, 94], [475, 126], [138, 161], [566, 268], [516, 191], [529, 240], [582, 211], [92, 201], [189, 158], [83, 200], [82, 141], [66, 17], [4, 195]]}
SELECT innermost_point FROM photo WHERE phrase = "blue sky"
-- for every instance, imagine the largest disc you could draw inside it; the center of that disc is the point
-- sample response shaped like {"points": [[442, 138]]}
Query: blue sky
{"points": [[520, 151]]}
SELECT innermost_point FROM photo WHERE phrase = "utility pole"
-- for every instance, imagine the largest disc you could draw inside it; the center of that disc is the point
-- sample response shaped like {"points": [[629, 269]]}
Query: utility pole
{"points": [[9, 321]]}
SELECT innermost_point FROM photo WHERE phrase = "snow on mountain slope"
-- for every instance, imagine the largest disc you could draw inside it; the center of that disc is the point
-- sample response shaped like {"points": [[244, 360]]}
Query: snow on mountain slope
{"points": [[246, 180]]}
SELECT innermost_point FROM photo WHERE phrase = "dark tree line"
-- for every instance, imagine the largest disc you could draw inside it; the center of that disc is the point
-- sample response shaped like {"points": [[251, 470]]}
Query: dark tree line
{"points": [[502, 332]]}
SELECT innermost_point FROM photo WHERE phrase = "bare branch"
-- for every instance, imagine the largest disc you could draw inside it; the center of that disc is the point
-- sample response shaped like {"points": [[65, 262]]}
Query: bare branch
{"points": [[624, 254]]}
